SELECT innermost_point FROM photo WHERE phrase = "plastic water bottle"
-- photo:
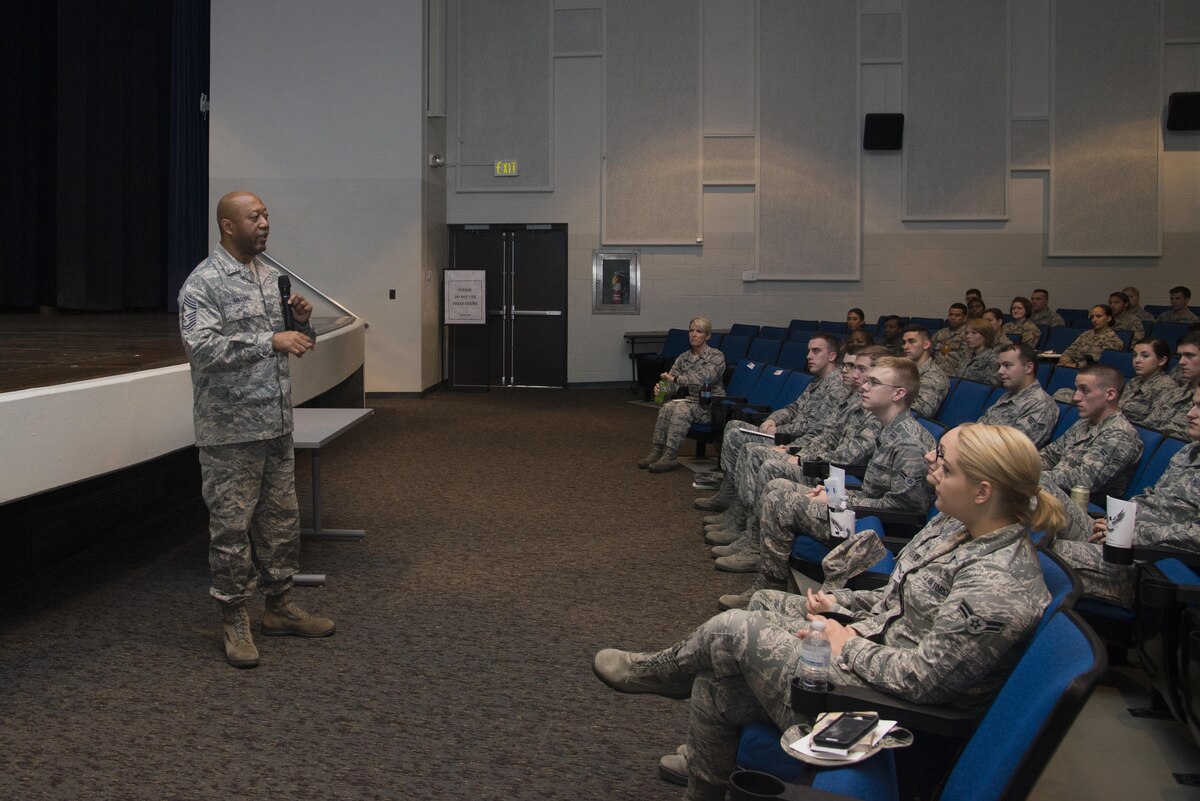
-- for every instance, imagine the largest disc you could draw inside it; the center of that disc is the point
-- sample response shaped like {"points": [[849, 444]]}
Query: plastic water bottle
{"points": [[815, 655]]}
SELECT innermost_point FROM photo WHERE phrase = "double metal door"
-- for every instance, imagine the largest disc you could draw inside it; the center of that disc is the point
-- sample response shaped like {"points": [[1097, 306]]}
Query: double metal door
{"points": [[524, 343]]}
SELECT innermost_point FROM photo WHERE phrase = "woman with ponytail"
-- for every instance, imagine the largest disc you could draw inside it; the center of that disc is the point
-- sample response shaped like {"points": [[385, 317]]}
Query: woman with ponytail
{"points": [[949, 626]]}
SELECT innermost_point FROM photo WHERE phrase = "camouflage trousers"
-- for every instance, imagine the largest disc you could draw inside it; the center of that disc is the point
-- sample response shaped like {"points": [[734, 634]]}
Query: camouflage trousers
{"points": [[734, 441], [254, 520], [744, 661], [674, 420], [756, 467], [1100, 579], [787, 511]]}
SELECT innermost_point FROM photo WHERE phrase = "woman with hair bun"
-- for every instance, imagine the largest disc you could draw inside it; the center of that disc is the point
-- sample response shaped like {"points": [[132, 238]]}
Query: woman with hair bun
{"points": [[949, 626], [1145, 395]]}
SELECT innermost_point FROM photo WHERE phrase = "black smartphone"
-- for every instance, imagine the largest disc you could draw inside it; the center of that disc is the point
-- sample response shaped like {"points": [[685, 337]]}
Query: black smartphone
{"points": [[846, 730]]}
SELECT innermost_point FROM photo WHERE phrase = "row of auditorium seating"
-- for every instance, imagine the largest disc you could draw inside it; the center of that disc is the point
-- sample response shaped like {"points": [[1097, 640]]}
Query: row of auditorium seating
{"points": [[792, 352]]}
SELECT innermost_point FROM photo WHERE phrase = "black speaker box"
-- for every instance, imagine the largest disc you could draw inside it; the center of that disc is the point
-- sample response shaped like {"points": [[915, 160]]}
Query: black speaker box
{"points": [[1183, 111], [883, 132]]}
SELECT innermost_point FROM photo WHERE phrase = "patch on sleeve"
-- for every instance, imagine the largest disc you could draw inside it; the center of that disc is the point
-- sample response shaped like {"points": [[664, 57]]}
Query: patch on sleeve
{"points": [[977, 625], [187, 315]]}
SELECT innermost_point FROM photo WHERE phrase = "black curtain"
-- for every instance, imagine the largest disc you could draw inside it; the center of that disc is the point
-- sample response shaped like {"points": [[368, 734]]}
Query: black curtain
{"points": [[187, 192], [28, 76], [98, 186]]}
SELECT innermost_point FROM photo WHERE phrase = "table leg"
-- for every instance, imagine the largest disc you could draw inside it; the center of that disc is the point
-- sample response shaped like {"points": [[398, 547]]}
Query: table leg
{"points": [[317, 530]]}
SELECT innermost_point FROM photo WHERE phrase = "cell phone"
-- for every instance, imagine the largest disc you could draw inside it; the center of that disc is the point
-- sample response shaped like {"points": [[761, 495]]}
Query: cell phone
{"points": [[846, 730]]}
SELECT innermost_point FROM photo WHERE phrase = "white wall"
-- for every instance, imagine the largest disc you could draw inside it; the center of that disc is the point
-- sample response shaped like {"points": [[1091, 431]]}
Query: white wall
{"points": [[915, 268], [318, 108]]}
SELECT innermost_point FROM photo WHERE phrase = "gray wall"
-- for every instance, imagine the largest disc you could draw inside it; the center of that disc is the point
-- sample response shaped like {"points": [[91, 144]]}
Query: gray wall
{"points": [[332, 130], [318, 108], [916, 250]]}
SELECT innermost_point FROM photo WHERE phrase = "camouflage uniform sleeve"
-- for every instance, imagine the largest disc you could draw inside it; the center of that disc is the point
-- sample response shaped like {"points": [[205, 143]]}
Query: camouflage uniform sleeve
{"points": [[1107, 455], [1079, 525], [975, 626], [1030, 334], [1082, 346], [1039, 418], [906, 489], [934, 386], [201, 324], [857, 443], [1052, 454]]}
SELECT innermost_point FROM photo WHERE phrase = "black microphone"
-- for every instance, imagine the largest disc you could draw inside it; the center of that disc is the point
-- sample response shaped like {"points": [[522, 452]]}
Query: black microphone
{"points": [[285, 292]]}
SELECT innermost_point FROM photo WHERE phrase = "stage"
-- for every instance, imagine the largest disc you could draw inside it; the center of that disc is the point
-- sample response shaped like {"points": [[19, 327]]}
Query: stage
{"points": [[82, 395]]}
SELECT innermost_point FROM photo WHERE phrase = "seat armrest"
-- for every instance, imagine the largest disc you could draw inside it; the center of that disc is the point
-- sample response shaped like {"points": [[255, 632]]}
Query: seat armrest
{"points": [[1147, 553], [942, 720]]}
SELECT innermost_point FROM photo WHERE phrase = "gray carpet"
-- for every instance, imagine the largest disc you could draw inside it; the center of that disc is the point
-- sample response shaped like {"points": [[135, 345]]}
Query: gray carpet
{"points": [[510, 536]]}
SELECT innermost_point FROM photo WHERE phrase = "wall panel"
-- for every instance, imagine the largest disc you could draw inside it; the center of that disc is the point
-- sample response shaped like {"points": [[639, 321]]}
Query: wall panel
{"points": [[651, 123], [956, 110], [808, 126], [1105, 136]]}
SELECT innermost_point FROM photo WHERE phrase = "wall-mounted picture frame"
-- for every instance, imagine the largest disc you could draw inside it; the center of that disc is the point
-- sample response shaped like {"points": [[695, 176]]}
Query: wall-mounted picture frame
{"points": [[616, 282]]}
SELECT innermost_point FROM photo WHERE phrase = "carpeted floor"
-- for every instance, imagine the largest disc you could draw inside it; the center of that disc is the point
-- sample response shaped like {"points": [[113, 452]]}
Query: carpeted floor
{"points": [[510, 536]]}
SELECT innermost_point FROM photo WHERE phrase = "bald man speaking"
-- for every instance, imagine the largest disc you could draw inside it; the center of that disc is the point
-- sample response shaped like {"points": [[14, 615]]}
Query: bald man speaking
{"points": [[232, 322]]}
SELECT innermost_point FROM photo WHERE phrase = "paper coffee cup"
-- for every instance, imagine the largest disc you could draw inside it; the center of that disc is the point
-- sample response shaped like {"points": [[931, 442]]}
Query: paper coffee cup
{"points": [[1118, 543]]}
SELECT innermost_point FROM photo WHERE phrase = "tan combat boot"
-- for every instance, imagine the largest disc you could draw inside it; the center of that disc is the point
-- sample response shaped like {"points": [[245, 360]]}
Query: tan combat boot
{"points": [[281, 617], [653, 456], [239, 644]]}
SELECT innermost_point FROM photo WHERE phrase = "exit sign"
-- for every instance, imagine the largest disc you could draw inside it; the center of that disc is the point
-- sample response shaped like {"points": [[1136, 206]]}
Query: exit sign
{"points": [[506, 169]]}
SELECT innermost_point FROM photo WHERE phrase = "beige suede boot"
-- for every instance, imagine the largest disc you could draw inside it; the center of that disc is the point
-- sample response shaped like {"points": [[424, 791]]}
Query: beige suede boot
{"points": [[239, 643], [282, 617]]}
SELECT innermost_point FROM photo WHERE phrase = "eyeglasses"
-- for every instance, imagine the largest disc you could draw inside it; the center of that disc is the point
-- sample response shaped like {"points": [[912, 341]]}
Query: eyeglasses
{"points": [[871, 383]]}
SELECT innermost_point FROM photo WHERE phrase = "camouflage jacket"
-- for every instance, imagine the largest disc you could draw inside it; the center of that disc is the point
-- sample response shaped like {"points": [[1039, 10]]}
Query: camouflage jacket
{"points": [[1171, 316], [1031, 411], [1091, 344], [1100, 457], [850, 440], [948, 346], [981, 366], [814, 410], [1026, 329], [693, 370], [1169, 415], [1047, 317], [1168, 514], [895, 476], [1146, 402], [948, 626], [1128, 321], [934, 386], [1141, 314], [241, 388]]}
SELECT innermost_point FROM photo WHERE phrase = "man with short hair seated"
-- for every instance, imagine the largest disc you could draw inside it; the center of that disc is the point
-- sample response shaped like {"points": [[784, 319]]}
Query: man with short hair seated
{"points": [[1179, 311], [1168, 516], [849, 442], [1025, 406], [949, 342], [935, 384], [894, 479], [1101, 450], [1170, 416], [813, 410]]}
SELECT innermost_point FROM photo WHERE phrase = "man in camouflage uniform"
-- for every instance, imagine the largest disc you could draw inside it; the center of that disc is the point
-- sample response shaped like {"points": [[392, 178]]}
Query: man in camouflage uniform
{"points": [[232, 325], [935, 384], [1170, 416], [1168, 516], [1179, 311], [813, 408], [953, 637], [1101, 450], [894, 478], [849, 440], [1026, 406], [1042, 314], [950, 342]]}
